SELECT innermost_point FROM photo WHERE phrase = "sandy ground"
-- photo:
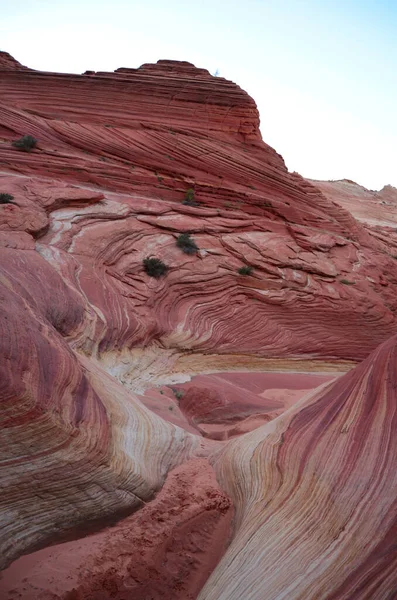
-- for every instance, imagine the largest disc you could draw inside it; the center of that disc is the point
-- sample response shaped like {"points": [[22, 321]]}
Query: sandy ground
{"points": [[166, 550]]}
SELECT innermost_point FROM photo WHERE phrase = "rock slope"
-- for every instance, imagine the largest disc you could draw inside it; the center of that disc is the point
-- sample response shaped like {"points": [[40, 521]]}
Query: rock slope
{"points": [[377, 211], [84, 329], [104, 188], [315, 495]]}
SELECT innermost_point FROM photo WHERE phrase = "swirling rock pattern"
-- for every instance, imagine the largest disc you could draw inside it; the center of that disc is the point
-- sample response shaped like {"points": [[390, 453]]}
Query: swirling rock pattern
{"points": [[62, 415], [83, 327], [132, 142], [315, 495]]}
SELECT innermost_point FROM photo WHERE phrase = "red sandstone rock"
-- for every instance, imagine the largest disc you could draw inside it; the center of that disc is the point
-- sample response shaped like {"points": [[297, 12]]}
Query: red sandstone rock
{"points": [[165, 551], [8, 63], [225, 405], [377, 211], [132, 131], [65, 451], [83, 327], [315, 495], [365, 205]]}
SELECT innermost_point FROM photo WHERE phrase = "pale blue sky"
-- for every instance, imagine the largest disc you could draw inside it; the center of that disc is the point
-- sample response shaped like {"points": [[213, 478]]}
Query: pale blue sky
{"points": [[323, 72]]}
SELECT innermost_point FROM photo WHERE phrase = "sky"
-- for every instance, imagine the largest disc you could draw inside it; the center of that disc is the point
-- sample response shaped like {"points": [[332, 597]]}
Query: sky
{"points": [[322, 72]]}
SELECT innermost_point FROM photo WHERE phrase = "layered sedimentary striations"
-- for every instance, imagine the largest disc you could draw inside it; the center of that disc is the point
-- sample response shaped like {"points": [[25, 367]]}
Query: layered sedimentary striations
{"points": [[141, 138], [368, 206], [165, 550], [376, 210], [315, 495], [84, 331]]}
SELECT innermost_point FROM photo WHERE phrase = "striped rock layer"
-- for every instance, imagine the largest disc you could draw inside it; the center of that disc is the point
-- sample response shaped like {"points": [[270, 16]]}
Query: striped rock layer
{"points": [[377, 211], [104, 188], [81, 323], [315, 495]]}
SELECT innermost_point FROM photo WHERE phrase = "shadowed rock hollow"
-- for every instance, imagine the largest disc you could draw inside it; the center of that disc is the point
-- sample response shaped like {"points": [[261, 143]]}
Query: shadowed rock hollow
{"points": [[85, 332]]}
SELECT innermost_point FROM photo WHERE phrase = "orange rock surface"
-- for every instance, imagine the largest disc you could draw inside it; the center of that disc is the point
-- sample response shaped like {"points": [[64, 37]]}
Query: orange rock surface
{"points": [[86, 334]]}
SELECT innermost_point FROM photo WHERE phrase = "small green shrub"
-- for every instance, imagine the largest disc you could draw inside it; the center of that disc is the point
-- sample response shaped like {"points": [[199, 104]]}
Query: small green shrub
{"points": [[178, 393], [245, 270], [186, 244], [25, 143], [347, 282], [190, 199], [189, 194], [6, 198], [154, 267]]}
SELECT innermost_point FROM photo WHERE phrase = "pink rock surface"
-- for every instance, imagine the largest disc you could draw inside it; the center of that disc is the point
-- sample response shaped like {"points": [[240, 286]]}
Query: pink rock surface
{"points": [[225, 405], [377, 211], [131, 143], [315, 495], [167, 550], [371, 207], [82, 325]]}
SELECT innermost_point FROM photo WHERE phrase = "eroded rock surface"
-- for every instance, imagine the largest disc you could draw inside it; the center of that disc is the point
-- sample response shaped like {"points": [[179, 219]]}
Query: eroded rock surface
{"points": [[142, 138], [84, 329], [166, 550], [315, 495]]}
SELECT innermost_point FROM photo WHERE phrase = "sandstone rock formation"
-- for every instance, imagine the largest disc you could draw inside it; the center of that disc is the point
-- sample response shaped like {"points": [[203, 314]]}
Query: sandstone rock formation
{"points": [[85, 332], [369, 207], [315, 497], [142, 137], [377, 211], [225, 405], [165, 550]]}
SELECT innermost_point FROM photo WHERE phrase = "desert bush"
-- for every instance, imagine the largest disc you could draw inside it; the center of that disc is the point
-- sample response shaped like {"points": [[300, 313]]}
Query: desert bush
{"points": [[6, 198], [189, 194], [186, 244], [178, 393], [245, 270], [347, 282], [25, 143], [154, 267], [190, 199]]}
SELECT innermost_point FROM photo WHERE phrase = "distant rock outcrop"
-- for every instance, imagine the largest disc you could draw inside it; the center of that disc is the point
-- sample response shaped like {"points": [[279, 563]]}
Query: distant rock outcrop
{"points": [[8, 63]]}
